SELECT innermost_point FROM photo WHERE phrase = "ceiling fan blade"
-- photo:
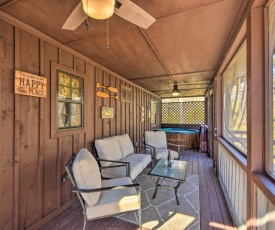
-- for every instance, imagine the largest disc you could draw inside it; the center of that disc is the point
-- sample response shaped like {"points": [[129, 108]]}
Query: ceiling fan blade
{"points": [[76, 18], [133, 13]]}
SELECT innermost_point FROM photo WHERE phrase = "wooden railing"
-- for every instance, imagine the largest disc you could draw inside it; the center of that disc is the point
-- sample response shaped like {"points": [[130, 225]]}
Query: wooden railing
{"points": [[233, 180]]}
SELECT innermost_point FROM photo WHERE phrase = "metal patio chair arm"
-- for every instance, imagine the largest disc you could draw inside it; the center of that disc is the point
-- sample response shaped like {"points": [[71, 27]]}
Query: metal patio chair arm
{"points": [[152, 150], [136, 185], [144, 147], [121, 164], [178, 146]]}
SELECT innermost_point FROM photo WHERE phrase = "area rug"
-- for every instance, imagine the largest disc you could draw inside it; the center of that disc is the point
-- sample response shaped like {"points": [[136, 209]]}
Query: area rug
{"points": [[163, 211]]}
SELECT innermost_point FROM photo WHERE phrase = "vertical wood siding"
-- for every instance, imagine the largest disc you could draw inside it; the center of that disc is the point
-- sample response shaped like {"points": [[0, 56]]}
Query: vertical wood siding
{"points": [[7, 135], [31, 162], [234, 183]]}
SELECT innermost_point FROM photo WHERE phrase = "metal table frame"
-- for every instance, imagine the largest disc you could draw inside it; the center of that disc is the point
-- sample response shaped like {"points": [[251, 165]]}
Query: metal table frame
{"points": [[176, 172]]}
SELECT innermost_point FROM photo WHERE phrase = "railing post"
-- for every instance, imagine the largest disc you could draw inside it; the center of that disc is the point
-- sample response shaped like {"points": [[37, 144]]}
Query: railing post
{"points": [[255, 104]]}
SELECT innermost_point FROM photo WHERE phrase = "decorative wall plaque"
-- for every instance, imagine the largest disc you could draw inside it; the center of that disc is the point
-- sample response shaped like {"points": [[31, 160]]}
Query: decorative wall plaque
{"points": [[30, 84], [126, 94], [107, 112]]}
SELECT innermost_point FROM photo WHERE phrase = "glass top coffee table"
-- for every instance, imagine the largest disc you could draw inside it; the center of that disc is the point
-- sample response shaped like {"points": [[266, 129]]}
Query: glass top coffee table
{"points": [[176, 172]]}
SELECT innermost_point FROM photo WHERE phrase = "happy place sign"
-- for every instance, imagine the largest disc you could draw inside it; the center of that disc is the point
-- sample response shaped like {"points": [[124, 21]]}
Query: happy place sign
{"points": [[29, 84]]}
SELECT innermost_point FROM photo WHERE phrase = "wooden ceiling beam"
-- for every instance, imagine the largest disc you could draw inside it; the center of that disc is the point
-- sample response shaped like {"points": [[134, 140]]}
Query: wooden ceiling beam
{"points": [[156, 53], [99, 34], [189, 83], [166, 17], [173, 75], [191, 8], [8, 4], [167, 91]]}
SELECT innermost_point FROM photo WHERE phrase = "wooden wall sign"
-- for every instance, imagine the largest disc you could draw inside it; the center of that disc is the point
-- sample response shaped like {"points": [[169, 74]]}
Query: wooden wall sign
{"points": [[30, 84]]}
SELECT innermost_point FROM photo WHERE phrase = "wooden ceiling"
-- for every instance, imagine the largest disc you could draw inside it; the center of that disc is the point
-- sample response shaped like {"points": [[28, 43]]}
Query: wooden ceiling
{"points": [[184, 45]]}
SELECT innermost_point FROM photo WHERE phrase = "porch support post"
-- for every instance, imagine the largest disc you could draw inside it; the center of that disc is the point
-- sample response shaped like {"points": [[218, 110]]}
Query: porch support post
{"points": [[217, 116], [255, 104]]}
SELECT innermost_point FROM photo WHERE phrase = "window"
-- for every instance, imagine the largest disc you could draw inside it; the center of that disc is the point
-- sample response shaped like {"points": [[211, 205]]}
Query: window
{"points": [[68, 97], [69, 100], [234, 101], [270, 159], [188, 110]]}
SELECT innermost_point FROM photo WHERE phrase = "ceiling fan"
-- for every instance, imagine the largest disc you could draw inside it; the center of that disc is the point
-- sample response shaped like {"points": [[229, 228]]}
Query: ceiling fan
{"points": [[123, 8]]}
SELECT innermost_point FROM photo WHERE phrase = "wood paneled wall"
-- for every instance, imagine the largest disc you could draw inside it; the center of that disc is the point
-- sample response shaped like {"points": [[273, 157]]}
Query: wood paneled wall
{"points": [[31, 163]]}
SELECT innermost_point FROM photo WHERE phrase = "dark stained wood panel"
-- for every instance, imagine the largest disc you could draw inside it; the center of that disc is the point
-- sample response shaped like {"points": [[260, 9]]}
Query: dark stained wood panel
{"points": [[66, 59], [79, 65], [156, 83], [50, 155], [99, 104], [29, 155], [79, 142], [66, 150], [195, 77], [161, 9], [163, 86], [199, 52], [122, 52], [186, 93], [28, 134], [118, 106], [90, 105], [107, 121], [54, 15], [7, 127], [122, 117], [28, 142], [188, 36], [113, 103]]}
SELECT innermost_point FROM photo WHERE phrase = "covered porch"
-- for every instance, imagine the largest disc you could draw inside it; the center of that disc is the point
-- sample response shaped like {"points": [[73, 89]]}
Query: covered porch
{"points": [[197, 63]]}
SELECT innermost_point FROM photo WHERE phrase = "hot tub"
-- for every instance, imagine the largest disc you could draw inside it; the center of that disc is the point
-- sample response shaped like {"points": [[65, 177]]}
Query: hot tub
{"points": [[183, 136]]}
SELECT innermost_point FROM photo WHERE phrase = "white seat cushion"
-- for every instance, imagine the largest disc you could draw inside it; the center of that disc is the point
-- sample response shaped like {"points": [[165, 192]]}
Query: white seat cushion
{"points": [[156, 139], [135, 169], [87, 175], [108, 148], [163, 153], [125, 144], [114, 201], [139, 157]]}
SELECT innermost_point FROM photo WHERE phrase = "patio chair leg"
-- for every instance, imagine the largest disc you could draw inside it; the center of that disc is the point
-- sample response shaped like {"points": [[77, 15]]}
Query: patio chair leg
{"points": [[139, 219], [85, 221], [139, 210]]}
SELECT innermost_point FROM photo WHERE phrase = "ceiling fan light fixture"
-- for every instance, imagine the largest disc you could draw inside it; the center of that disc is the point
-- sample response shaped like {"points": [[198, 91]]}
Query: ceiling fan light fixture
{"points": [[175, 91], [99, 9]]}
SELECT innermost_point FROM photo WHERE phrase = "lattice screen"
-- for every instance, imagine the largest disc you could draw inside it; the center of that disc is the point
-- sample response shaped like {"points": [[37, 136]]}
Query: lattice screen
{"points": [[183, 112], [153, 112]]}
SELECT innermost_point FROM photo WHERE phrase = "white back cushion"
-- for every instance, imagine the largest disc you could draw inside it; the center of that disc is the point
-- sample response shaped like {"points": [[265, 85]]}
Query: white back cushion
{"points": [[125, 144], [108, 149], [87, 175], [156, 139]]}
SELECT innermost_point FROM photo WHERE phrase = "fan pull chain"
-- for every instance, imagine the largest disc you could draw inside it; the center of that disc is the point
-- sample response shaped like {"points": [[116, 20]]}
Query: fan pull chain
{"points": [[107, 45], [87, 23]]}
